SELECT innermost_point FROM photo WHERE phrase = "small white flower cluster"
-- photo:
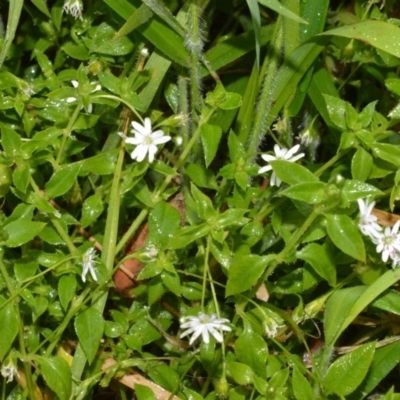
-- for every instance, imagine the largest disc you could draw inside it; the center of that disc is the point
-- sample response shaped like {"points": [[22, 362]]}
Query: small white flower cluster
{"points": [[75, 84], [88, 261], [387, 241], [145, 140], [280, 154], [204, 325], [73, 7], [8, 371]]}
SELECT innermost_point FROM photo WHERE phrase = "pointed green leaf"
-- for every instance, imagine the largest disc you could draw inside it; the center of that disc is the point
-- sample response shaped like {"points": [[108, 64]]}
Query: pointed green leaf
{"points": [[62, 180], [89, 326], [9, 323], [57, 374], [380, 34], [210, 138], [345, 235], [347, 372]]}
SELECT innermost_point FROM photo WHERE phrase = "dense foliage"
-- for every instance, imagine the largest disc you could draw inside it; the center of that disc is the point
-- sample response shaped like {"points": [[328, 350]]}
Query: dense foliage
{"points": [[199, 199]]}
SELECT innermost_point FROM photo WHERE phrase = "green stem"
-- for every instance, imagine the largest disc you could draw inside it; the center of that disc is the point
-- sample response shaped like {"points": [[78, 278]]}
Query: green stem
{"points": [[67, 133], [266, 99], [21, 340]]}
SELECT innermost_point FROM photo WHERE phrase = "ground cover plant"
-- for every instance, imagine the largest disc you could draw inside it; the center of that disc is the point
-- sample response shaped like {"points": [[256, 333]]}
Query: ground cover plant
{"points": [[198, 199]]}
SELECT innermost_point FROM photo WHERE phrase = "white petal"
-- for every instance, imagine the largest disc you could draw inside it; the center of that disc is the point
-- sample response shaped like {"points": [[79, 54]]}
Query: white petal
{"points": [[157, 134], [139, 153], [147, 125], [75, 83], [134, 140], [206, 336], [296, 157], [217, 335], [268, 157], [152, 149], [264, 169], [162, 140], [71, 99], [137, 128], [199, 331], [292, 151]]}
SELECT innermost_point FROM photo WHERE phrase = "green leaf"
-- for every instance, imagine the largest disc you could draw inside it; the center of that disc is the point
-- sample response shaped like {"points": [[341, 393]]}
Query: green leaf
{"points": [[66, 290], [89, 326], [62, 180], [387, 152], [354, 190], [22, 231], [21, 176], [204, 205], [240, 373], [104, 42], [301, 387], [187, 235], [280, 9], [139, 17], [210, 138], [321, 260], [9, 323], [380, 34], [344, 305], [252, 350], [310, 192], [361, 165], [165, 376], [10, 141], [92, 208], [384, 360], [292, 173], [143, 392], [160, 35], [164, 222], [389, 301], [256, 20], [57, 374], [337, 111], [345, 235], [14, 14], [347, 372], [245, 271], [101, 164]]}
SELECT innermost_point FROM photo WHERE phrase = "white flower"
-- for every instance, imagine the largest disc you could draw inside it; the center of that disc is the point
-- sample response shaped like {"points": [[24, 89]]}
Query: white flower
{"points": [[88, 261], [280, 154], [144, 52], [9, 371], [367, 223], [204, 325], [388, 243], [145, 140], [73, 7], [75, 84]]}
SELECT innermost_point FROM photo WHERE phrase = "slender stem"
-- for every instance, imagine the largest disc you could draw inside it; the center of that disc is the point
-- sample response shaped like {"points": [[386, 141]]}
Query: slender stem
{"points": [[266, 98], [67, 132]]}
